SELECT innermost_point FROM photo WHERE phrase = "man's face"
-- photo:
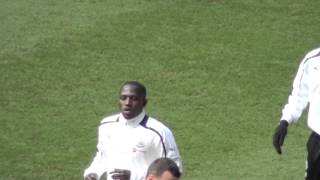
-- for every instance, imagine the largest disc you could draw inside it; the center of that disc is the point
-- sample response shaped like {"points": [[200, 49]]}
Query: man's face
{"points": [[165, 176], [131, 102]]}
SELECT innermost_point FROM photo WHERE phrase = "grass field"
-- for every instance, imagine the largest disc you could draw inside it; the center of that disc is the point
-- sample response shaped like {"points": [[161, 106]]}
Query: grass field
{"points": [[217, 71]]}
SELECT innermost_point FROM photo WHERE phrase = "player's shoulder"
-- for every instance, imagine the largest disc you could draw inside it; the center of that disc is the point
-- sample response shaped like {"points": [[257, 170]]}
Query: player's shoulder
{"points": [[313, 53], [157, 124], [110, 119], [310, 57]]}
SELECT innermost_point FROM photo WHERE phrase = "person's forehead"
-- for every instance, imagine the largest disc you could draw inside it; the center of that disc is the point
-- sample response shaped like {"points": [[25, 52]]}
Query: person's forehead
{"points": [[129, 89]]}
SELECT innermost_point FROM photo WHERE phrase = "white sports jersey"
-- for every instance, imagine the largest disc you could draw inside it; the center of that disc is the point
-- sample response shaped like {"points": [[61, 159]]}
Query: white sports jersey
{"points": [[132, 144], [306, 90]]}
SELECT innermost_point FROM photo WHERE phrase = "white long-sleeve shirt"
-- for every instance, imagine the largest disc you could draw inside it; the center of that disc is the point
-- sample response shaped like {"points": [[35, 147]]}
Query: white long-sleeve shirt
{"points": [[306, 91], [132, 144]]}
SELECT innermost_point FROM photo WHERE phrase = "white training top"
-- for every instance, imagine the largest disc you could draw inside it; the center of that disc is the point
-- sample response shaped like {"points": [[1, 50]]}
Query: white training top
{"points": [[132, 144], [306, 90]]}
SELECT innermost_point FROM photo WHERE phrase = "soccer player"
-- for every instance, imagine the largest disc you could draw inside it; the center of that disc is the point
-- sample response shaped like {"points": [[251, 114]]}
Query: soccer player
{"points": [[163, 169], [129, 141], [306, 91]]}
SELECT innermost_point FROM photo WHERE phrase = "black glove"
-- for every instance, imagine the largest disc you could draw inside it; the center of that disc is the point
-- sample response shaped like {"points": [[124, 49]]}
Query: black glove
{"points": [[91, 176], [279, 135], [120, 174]]}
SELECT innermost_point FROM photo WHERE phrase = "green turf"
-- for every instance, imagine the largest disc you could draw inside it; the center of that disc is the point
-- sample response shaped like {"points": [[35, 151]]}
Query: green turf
{"points": [[217, 72]]}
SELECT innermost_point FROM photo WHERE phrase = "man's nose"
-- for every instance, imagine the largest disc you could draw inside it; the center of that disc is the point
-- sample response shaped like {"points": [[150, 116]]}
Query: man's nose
{"points": [[128, 100]]}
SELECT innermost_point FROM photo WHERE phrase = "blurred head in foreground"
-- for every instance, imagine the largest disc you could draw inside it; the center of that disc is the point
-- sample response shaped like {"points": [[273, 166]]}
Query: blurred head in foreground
{"points": [[163, 169]]}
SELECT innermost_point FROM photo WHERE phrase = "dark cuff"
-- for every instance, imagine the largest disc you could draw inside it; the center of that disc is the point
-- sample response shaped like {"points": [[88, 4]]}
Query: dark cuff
{"points": [[284, 123]]}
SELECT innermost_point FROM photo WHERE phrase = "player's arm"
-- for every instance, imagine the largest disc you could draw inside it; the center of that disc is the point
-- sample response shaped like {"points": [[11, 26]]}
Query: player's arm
{"points": [[97, 167], [172, 150], [297, 102], [299, 97]]}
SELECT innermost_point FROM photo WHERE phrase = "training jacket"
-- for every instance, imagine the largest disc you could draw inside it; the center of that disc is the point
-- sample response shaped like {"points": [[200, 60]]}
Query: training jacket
{"points": [[306, 91], [132, 144]]}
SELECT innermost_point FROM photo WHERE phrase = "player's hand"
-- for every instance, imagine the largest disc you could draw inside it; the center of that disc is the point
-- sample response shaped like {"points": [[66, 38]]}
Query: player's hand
{"points": [[91, 176], [120, 174], [279, 135]]}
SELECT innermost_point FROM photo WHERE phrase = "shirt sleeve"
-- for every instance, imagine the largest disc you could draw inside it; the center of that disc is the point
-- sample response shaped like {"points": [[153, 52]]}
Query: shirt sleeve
{"points": [[171, 147], [302, 87], [299, 97], [314, 97], [97, 166]]}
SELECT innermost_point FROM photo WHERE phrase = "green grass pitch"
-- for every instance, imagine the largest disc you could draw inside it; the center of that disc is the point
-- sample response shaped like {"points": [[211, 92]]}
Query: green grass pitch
{"points": [[217, 72]]}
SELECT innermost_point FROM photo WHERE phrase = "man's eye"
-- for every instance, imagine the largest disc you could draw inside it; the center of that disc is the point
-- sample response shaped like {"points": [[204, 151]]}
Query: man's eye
{"points": [[134, 98]]}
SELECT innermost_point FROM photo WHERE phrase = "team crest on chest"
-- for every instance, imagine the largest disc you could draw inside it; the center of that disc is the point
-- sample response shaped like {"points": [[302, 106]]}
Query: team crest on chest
{"points": [[139, 147]]}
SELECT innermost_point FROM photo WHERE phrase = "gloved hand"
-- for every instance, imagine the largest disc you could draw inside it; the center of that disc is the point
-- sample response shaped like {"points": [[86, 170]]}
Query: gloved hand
{"points": [[279, 135], [91, 176], [120, 174]]}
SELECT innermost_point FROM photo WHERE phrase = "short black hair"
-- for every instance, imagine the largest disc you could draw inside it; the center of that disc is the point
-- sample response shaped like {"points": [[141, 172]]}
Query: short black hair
{"points": [[138, 86], [160, 165]]}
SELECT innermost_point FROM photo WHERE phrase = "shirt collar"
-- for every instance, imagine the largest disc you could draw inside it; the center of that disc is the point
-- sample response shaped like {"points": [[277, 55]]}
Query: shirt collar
{"points": [[134, 122]]}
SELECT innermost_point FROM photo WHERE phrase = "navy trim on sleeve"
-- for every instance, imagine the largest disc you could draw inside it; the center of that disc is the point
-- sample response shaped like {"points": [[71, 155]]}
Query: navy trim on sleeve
{"points": [[314, 56], [143, 123]]}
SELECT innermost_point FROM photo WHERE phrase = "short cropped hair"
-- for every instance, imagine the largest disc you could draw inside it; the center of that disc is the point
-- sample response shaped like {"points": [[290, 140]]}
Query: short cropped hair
{"points": [[141, 89], [160, 165]]}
